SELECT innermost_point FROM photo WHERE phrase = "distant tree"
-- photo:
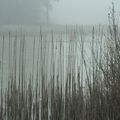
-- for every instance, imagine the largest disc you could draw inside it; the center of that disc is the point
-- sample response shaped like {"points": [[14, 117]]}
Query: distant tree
{"points": [[48, 6], [25, 11]]}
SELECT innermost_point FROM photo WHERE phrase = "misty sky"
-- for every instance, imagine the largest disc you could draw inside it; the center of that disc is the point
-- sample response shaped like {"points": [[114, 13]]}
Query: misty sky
{"points": [[82, 11], [21, 11], [63, 12]]}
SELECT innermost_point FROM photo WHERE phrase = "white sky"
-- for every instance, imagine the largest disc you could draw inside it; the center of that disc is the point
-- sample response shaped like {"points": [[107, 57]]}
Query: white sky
{"points": [[82, 11]]}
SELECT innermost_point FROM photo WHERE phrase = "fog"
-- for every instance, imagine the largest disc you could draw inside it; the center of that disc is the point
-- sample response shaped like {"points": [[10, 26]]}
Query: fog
{"points": [[62, 12], [23, 11], [83, 11]]}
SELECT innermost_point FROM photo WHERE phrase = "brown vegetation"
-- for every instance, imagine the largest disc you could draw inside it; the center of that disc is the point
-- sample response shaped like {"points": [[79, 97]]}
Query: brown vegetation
{"points": [[77, 91]]}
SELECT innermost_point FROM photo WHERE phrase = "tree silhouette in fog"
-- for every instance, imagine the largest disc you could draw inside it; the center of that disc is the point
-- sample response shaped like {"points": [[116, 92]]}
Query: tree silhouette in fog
{"points": [[25, 11]]}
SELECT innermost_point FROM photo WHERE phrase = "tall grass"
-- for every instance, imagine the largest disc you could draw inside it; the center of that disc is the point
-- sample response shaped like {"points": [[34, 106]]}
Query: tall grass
{"points": [[65, 83]]}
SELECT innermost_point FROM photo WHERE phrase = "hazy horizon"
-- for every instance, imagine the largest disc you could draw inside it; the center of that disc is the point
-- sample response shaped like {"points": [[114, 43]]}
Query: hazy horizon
{"points": [[81, 12]]}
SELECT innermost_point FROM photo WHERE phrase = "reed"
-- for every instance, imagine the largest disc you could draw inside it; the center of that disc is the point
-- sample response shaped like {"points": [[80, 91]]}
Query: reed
{"points": [[63, 84]]}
